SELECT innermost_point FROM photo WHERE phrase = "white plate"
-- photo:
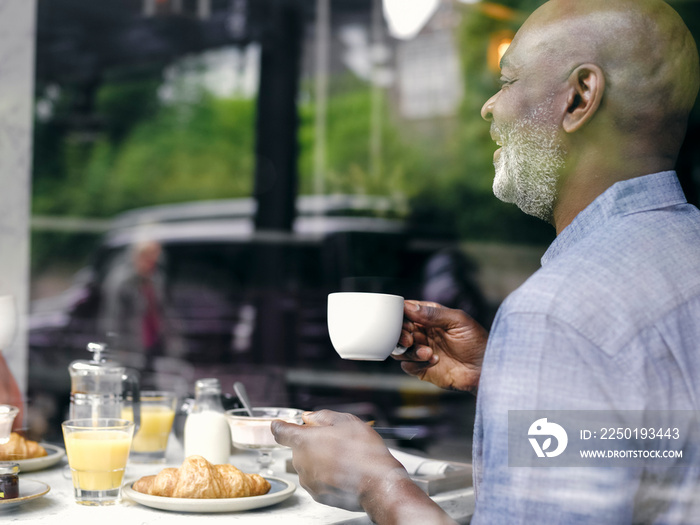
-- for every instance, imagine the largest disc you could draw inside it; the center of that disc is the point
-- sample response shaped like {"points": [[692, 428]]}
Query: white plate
{"points": [[53, 456], [279, 491], [29, 489]]}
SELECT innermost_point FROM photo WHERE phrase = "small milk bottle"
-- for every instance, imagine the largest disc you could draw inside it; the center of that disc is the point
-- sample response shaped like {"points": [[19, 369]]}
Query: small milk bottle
{"points": [[207, 431]]}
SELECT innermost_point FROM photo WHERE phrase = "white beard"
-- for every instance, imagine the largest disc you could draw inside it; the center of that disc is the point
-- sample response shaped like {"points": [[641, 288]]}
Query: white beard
{"points": [[529, 164]]}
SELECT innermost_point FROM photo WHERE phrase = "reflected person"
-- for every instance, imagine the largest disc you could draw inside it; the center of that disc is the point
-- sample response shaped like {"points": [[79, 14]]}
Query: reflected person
{"points": [[590, 118], [134, 307]]}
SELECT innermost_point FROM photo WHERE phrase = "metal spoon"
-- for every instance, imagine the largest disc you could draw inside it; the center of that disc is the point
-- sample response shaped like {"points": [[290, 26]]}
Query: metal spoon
{"points": [[240, 390]]}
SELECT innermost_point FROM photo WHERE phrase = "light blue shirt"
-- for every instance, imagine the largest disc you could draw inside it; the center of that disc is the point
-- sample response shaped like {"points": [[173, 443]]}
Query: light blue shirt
{"points": [[611, 321]]}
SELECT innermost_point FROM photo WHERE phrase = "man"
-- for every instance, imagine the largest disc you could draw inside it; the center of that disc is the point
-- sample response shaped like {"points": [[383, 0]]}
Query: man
{"points": [[590, 118]]}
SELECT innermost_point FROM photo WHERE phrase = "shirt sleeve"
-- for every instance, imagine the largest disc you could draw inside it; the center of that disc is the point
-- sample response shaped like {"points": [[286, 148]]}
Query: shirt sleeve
{"points": [[535, 362]]}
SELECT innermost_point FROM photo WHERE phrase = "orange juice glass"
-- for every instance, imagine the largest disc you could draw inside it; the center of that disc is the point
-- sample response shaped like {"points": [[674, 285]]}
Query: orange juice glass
{"points": [[97, 451], [157, 416]]}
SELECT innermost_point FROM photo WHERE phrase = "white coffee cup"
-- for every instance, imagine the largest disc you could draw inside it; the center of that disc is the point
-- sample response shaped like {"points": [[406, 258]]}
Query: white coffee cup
{"points": [[365, 326], [8, 321]]}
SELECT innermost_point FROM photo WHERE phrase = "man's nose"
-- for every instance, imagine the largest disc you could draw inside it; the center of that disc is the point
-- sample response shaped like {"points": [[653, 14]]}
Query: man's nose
{"points": [[487, 109]]}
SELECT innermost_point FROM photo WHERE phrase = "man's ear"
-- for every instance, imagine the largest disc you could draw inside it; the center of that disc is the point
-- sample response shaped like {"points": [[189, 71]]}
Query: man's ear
{"points": [[586, 87]]}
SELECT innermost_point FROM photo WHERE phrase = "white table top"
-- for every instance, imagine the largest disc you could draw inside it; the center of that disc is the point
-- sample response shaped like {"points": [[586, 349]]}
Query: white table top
{"points": [[299, 509]]}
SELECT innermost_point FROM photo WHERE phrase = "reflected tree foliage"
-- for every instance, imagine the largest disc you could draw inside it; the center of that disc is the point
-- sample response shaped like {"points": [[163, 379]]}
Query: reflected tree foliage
{"points": [[114, 143]]}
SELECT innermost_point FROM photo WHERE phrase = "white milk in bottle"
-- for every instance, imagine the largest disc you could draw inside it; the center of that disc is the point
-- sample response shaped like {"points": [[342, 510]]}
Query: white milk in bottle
{"points": [[207, 431]]}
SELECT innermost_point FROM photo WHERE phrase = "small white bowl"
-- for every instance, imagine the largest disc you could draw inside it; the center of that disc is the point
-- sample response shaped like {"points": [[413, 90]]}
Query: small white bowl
{"points": [[255, 432]]}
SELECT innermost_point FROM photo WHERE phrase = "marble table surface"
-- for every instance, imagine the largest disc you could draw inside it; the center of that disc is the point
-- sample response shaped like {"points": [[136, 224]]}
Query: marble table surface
{"points": [[300, 508]]}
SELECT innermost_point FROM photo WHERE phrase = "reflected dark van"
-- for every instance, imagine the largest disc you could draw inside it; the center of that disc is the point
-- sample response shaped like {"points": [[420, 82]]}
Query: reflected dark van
{"points": [[234, 295]]}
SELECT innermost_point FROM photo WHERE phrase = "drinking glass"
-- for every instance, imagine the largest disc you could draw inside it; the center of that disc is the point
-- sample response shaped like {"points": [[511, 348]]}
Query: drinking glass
{"points": [[97, 451], [254, 433], [157, 415], [7, 417]]}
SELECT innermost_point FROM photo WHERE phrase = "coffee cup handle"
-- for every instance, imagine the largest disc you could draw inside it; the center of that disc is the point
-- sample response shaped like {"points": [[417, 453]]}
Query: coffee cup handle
{"points": [[399, 350]]}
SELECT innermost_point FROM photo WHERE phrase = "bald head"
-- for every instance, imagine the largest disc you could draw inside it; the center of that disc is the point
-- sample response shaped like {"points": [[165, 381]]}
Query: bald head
{"points": [[645, 50], [594, 92]]}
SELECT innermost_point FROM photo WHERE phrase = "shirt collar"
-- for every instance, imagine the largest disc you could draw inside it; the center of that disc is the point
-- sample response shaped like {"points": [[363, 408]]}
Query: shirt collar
{"points": [[648, 192]]}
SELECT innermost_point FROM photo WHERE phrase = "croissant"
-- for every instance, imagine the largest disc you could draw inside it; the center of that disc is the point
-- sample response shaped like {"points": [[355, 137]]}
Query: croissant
{"points": [[20, 448], [197, 478]]}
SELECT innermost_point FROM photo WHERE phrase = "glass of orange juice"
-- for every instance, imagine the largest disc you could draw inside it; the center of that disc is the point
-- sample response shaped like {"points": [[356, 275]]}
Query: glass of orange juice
{"points": [[157, 415], [97, 451]]}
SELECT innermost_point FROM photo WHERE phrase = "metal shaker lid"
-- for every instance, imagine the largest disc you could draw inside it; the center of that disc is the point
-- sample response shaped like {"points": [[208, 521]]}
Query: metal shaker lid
{"points": [[98, 365]]}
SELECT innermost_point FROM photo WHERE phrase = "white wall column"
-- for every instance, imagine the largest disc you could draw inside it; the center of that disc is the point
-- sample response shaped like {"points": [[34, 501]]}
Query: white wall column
{"points": [[17, 44]]}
